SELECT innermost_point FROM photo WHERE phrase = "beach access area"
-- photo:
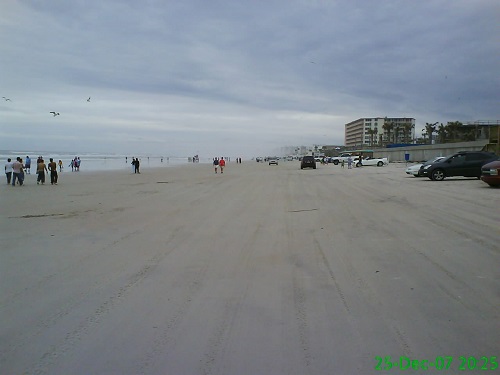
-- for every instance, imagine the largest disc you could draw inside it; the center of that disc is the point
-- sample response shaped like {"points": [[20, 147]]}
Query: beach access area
{"points": [[260, 270]]}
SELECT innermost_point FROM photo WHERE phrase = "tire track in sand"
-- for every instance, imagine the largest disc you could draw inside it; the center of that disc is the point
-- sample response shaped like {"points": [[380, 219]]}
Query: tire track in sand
{"points": [[48, 359]]}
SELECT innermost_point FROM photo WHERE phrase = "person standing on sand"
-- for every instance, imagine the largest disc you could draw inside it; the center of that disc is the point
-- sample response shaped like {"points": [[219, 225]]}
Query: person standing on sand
{"points": [[137, 164], [222, 164], [53, 172], [60, 165], [17, 172], [27, 165], [40, 170], [216, 164], [8, 170], [349, 163]]}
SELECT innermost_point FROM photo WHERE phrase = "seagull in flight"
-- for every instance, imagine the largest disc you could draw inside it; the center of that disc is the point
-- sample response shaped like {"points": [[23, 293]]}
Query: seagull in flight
{"points": [[55, 113], [88, 99], [6, 99]]}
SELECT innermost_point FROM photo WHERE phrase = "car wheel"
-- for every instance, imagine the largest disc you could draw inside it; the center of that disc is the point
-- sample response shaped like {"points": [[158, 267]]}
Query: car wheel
{"points": [[336, 162], [379, 164], [358, 165], [437, 175]]}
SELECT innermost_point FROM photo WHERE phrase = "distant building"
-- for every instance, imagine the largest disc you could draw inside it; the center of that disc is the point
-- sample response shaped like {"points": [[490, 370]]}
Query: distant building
{"points": [[369, 132]]}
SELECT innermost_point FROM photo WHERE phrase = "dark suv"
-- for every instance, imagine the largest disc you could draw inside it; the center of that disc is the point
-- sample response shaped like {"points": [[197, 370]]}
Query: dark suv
{"points": [[308, 162], [464, 163]]}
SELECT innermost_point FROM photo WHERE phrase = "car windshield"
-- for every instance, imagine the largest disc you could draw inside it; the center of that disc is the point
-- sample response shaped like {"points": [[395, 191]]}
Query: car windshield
{"points": [[435, 160]]}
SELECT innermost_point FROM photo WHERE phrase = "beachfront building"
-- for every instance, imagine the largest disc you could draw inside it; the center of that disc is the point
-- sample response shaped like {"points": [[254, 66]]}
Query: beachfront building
{"points": [[370, 131]]}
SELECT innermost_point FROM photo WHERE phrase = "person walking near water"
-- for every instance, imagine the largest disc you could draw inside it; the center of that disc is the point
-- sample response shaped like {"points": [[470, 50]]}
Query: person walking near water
{"points": [[60, 165], [222, 164], [8, 170], [17, 172], [137, 164], [27, 165], [41, 168], [216, 164], [53, 172]]}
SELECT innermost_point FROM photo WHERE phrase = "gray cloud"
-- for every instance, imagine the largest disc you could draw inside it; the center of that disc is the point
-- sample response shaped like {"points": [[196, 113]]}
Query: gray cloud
{"points": [[238, 76]]}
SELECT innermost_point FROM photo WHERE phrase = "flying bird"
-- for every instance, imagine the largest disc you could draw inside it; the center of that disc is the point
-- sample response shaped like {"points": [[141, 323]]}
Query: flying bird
{"points": [[55, 113], [6, 99], [88, 99]]}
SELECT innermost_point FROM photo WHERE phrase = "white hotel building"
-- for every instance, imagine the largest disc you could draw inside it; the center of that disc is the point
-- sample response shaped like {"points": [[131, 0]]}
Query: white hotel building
{"points": [[357, 133]]}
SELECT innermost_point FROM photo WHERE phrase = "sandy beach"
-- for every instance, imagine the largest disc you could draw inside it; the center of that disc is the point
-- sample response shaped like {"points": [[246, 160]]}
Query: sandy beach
{"points": [[261, 270]]}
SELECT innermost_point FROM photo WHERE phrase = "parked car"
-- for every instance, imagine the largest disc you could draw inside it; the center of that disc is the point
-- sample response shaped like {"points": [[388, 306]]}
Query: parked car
{"points": [[342, 157], [464, 163], [490, 173], [379, 162], [308, 162], [273, 160], [414, 169]]}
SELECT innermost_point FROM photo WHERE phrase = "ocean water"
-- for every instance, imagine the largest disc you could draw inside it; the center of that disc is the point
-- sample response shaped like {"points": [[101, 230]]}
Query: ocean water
{"points": [[96, 161]]}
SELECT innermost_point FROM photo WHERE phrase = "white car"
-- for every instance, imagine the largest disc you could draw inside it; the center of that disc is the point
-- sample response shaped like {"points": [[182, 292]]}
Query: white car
{"points": [[413, 169], [379, 162]]}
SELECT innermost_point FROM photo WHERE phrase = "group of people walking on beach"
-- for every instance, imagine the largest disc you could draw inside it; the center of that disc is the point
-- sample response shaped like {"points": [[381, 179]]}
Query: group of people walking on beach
{"points": [[219, 163], [15, 170], [135, 165], [74, 164]]}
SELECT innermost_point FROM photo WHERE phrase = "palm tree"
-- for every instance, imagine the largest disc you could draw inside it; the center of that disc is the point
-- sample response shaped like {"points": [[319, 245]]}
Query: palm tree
{"points": [[371, 132], [396, 133], [388, 126], [430, 128], [407, 127], [441, 131], [458, 130], [453, 129]]}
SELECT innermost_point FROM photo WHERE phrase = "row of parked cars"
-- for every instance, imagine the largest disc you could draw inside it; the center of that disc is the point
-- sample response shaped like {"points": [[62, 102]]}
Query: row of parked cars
{"points": [[480, 164]]}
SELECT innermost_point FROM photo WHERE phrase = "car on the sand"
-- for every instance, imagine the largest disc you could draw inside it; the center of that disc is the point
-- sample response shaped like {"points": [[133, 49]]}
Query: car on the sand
{"points": [[464, 163], [308, 162], [369, 161], [414, 169], [342, 157], [273, 160], [490, 173]]}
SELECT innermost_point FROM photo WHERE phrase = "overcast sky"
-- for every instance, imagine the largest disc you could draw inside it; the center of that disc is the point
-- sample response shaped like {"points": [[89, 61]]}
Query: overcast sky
{"points": [[237, 78]]}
